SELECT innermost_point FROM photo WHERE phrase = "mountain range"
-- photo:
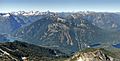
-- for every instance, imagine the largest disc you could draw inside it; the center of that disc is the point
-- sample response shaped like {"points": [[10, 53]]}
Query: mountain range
{"points": [[67, 32], [70, 32]]}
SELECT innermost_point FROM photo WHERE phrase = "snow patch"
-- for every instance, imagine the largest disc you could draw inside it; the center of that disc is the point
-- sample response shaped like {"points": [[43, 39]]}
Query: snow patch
{"points": [[6, 15]]}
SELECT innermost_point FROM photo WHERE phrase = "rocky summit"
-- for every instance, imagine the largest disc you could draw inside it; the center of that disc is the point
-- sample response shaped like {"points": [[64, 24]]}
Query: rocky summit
{"points": [[93, 55]]}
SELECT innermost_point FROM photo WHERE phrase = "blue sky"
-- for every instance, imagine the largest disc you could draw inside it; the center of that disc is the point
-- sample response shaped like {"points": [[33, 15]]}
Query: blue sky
{"points": [[60, 5]]}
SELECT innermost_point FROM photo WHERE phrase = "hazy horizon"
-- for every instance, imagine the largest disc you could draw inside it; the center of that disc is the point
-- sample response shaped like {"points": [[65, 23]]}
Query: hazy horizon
{"points": [[59, 5]]}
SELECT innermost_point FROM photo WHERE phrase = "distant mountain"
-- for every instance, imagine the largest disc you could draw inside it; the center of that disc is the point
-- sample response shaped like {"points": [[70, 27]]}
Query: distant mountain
{"points": [[3, 38], [57, 36], [10, 22], [104, 20], [68, 34], [20, 51]]}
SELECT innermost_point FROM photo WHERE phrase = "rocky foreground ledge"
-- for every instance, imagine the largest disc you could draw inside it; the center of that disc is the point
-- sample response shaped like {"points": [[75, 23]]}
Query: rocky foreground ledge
{"points": [[94, 55]]}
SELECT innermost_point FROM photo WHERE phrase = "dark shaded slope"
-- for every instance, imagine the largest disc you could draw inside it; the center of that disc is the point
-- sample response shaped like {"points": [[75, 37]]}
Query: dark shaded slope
{"points": [[17, 50]]}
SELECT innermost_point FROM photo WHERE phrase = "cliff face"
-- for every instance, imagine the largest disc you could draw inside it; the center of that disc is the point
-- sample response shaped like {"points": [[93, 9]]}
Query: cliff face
{"points": [[95, 55]]}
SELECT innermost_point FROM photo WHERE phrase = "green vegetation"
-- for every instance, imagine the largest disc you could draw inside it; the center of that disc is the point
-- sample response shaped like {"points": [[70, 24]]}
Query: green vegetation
{"points": [[18, 50]]}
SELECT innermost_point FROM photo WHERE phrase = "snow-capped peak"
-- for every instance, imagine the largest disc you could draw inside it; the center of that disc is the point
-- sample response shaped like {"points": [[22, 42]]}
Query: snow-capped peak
{"points": [[31, 13], [21, 12], [6, 15], [26, 13]]}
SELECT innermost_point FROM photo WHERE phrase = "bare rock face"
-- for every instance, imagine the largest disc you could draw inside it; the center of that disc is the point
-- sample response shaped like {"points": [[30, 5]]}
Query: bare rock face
{"points": [[96, 55]]}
